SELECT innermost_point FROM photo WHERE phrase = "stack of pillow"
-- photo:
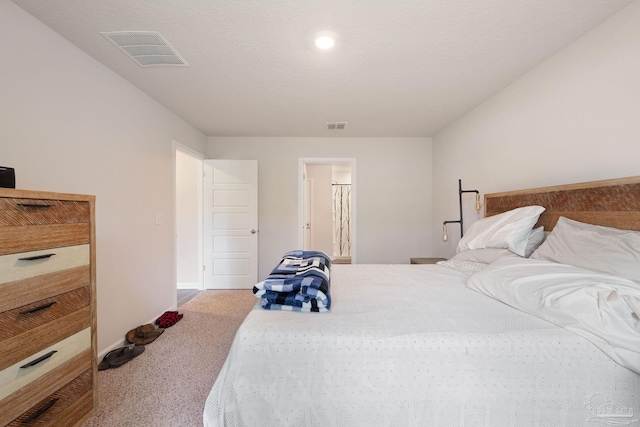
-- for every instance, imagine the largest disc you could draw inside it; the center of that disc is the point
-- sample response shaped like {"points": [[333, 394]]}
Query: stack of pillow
{"points": [[605, 249], [589, 246], [507, 234]]}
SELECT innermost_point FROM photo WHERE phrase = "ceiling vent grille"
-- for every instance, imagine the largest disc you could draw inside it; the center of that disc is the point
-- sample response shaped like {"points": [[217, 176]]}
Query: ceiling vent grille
{"points": [[147, 48], [336, 125]]}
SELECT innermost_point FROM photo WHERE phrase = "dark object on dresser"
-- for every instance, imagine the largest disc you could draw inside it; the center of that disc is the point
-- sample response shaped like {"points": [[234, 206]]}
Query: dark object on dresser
{"points": [[7, 177]]}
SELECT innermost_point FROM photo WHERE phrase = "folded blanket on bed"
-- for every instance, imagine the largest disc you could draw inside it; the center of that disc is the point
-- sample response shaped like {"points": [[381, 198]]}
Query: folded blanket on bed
{"points": [[300, 261], [298, 291], [302, 255], [287, 302], [300, 282]]}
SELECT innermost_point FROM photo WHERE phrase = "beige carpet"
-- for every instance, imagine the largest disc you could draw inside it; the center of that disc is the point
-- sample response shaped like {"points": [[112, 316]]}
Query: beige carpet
{"points": [[168, 384]]}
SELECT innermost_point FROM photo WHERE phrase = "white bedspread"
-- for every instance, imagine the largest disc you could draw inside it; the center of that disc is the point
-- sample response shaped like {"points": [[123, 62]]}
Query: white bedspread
{"points": [[410, 345]]}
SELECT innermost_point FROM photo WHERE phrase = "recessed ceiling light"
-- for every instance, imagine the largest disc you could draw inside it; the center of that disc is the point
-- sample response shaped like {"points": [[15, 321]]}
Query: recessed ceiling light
{"points": [[325, 39]]}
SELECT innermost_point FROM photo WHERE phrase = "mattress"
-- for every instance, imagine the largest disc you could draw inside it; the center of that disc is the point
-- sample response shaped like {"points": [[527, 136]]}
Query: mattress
{"points": [[410, 345]]}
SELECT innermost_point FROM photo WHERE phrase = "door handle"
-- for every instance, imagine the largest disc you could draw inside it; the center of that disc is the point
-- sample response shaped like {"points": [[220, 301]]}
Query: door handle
{"points": [[253, 231], [40, 411], [39, 359], [36, 257]]}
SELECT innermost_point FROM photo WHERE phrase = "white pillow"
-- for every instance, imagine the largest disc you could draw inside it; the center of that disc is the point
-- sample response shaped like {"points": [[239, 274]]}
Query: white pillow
{"points": [[535, 239], [485, 255], [508, 230], [594, 247]]}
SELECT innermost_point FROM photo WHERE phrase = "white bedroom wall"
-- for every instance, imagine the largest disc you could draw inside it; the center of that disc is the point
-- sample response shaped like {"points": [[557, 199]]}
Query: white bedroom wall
{"points": [[574, 118], [393, 184], [71, 125]]}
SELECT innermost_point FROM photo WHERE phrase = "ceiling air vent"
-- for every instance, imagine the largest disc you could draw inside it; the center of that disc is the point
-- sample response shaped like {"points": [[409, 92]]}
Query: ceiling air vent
{"points": [[336, 125], [147, 48]]}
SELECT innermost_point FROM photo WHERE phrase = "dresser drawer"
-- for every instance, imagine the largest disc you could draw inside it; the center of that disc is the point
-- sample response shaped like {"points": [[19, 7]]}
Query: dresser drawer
{"points": [[22, 292], [64, 407], [20, 266], [31, 224], [19, 211], [34, 237], [36, 365], [28, 397], [30, 316], [30, 328]]}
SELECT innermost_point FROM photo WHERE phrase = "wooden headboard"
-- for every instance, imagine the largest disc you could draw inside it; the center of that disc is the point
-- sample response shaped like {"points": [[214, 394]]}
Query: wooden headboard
{"points": [[612, 203]]}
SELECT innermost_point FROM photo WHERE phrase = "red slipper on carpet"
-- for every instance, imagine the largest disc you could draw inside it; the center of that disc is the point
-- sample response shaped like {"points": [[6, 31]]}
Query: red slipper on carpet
{"points": [[169, 318]]}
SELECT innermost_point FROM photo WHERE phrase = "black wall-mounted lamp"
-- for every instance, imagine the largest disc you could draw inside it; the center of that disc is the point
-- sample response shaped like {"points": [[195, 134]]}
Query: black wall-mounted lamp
{"points": [[445, 233]]}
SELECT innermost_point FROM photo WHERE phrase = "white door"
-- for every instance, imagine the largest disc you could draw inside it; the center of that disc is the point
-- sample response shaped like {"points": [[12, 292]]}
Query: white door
{"points": [[231, 224]]}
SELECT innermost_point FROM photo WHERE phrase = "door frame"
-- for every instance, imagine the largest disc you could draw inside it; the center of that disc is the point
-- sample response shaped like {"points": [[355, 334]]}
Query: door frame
{"points": [[200, 200], [302, 161], [307, 212]]}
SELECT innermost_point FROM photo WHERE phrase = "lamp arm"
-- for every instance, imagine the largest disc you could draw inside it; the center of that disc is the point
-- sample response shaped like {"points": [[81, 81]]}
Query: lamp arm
{"points": [[460, 221]]}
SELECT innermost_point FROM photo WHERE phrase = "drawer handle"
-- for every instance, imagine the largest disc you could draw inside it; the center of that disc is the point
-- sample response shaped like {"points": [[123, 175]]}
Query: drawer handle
{"points": [[38, 308], [35, 257], [40, 411], [34, 206], [39, 359]]}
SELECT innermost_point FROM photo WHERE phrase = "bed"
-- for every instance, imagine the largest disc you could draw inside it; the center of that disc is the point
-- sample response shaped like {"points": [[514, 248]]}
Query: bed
{"points": [[451, 344]]}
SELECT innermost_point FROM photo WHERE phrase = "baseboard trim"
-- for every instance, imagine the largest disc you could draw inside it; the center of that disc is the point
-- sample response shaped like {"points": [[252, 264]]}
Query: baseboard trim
{"points": [[189, 285]]}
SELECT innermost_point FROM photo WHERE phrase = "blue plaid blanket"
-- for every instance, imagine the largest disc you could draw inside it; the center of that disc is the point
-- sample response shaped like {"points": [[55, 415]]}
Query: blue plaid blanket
{"points": [[304, 255], [300, 282], [288, 305]]}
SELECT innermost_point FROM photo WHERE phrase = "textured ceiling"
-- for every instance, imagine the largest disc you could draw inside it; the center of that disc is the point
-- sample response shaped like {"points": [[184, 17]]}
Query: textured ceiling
{"points": [[400, 68]]}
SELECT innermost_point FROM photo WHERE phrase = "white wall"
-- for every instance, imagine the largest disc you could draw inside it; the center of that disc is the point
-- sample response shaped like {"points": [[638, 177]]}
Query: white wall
{"points": [[71, 125], [342, 176], [393, 179], [574, 118]]}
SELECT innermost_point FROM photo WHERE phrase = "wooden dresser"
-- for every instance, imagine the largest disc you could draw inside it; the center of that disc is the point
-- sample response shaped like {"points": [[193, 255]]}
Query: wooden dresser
{"points": [[48, 360]]}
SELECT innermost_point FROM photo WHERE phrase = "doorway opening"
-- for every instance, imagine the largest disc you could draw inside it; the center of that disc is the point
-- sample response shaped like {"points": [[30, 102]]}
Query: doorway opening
{"points": [[188, 205], [327, 207]]}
